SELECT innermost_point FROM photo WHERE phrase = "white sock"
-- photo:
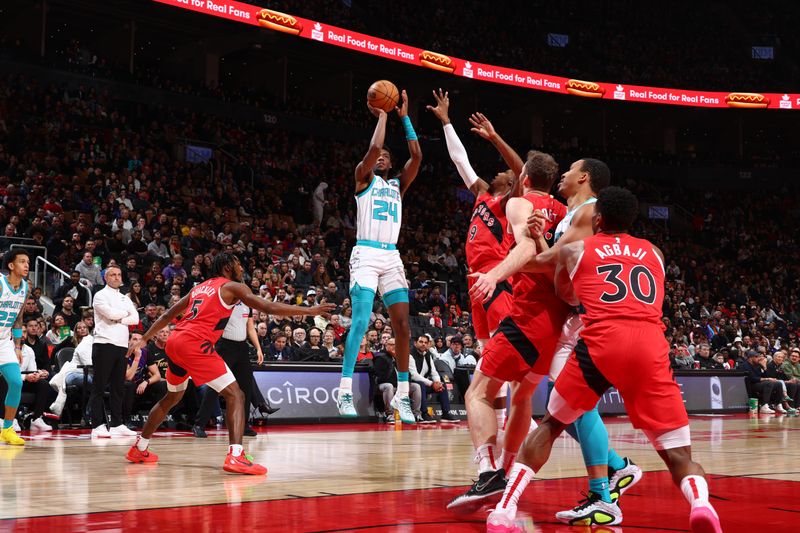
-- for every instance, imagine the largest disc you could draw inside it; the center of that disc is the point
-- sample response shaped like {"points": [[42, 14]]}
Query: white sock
{"points": [[507, 460], [695, 489], [142, 443], [487, 455], [235, 449], [518, 479], [346, 384], [402, 388]]}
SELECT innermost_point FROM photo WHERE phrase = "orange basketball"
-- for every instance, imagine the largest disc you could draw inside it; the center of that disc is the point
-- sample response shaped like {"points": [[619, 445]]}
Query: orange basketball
{"points": [[383, 94]]}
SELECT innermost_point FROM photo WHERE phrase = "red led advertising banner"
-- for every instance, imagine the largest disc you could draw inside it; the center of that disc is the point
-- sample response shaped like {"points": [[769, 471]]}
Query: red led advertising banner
{"points": [[324, 33]]}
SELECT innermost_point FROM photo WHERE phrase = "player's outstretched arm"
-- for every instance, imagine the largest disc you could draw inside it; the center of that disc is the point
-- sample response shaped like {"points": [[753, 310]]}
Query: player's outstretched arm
{"points": [[568, 256], [234, 291], [454, 147], [483, 127], [517, 211], [161, 323], [411, 168], [365, 168]]}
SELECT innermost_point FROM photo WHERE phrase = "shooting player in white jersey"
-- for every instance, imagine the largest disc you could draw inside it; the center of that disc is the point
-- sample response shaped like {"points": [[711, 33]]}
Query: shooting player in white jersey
{"points": [[375, 263]]}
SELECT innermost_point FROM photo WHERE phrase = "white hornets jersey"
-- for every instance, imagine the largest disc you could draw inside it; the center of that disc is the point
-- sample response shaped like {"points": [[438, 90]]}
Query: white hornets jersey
{"points": [[566, 222], [10, 305], [380, 212]]}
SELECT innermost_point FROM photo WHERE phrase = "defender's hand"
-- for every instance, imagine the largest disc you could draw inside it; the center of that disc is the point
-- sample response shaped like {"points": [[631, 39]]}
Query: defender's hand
{"points": [[482, 126], [484, 286], [442, 109]]}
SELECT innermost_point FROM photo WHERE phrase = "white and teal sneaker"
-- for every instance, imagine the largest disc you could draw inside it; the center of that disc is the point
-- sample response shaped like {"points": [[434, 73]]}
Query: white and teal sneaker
{"points": [[345, 404], [403, 406]]}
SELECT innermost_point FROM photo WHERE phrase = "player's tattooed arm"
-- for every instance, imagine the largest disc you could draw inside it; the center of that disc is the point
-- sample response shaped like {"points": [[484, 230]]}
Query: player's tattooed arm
{"points": [[18, 325]]}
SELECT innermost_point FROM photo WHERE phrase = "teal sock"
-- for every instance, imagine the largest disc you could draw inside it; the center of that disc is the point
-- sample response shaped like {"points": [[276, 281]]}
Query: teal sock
{"points": [[362, 300], [402, 376], [7, 424], [599, 485], [614, 460]]}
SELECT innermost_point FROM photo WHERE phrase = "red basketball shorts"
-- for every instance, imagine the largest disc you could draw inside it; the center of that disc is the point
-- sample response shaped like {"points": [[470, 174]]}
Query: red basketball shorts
{"points": [[196, 358], [633, 358], [524, 342], [486, 316]]}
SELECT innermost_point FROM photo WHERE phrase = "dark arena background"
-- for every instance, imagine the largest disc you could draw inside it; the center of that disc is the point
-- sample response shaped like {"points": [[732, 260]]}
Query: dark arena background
{"points": [[155, 136]]}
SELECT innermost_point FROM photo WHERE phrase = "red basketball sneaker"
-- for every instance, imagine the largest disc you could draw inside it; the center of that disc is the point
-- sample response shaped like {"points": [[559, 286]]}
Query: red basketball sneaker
{"points": [[135, 455], [241, 464]]}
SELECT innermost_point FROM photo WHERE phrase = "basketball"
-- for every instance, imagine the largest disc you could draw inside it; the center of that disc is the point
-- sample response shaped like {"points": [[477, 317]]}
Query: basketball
{"points": [[383, 94]]}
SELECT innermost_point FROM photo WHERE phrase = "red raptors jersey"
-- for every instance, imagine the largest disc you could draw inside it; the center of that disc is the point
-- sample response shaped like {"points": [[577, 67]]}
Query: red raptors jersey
{"points": [[538, 287], [488, 240], [206, 315], [619, 277]]}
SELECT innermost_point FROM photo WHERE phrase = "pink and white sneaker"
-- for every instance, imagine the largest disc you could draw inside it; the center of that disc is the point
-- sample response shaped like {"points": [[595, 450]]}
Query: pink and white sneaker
{"points": [[704, 519], [502, 521]]}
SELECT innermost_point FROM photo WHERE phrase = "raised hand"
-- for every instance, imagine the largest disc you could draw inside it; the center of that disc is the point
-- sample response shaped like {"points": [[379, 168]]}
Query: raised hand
{"points": [[377, 111], [402, 109], [482, 126], [442, 106]]}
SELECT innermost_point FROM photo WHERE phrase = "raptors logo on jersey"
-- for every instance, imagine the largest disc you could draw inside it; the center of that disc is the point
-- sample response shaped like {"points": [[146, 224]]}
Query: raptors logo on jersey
{"points": [[488, 240]]}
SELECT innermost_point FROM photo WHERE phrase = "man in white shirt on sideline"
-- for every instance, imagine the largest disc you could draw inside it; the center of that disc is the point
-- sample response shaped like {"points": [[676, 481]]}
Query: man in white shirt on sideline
{"points": [[113, 313]]}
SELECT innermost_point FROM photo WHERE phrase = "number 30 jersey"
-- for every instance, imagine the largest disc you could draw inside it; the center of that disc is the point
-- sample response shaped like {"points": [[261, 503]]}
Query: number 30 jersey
{"points": [[619, 277], [206, 313], [380, 211]]}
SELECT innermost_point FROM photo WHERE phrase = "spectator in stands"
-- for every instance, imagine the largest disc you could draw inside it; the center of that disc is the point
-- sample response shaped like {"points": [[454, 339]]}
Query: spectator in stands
{"points": [[704, 359], [263, 336], [298, 343], [373, 341], [278, 350], [90, 271], [385, 368], [791, 368], [470, 350], [334, 351], [31, 311], [789, 390], [305, 278], [74, 289], [68, 311], [137, 378], [767, 389], [681, 358], [364, 354], [452, 356], [422, 371], [59, 334], [174, 269], [314, 351], [34, 341], [156, 249]]}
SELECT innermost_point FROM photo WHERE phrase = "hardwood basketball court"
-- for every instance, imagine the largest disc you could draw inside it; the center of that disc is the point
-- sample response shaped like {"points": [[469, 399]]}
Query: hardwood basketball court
{"points": [[370, 477]]}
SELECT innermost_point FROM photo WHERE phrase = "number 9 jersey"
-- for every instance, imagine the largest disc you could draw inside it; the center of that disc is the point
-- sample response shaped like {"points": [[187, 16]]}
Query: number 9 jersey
{"points": [[619, 277]]}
